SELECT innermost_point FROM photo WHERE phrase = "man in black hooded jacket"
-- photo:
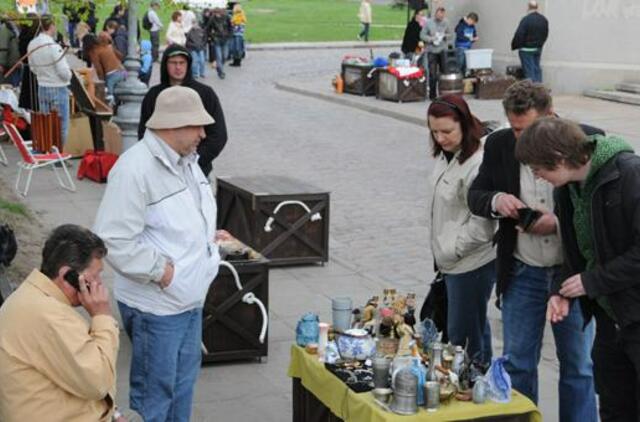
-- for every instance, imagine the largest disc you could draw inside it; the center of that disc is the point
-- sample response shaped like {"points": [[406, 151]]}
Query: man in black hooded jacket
{"points": [[176, 70]]}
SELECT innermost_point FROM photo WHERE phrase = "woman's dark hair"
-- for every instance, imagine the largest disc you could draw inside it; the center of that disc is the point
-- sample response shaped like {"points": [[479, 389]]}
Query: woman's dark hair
{"points": [[175, 15], [456, 108], [46, 21], [70, 245], [89, 41], [550, 140]]}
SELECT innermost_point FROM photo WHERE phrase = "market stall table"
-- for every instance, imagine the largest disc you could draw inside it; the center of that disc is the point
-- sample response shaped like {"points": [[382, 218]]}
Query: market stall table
{"points": [[318, 395]]}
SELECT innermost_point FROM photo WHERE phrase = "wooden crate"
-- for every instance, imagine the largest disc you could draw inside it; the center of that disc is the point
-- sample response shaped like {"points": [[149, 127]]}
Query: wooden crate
{"points": [[493, 87], [230, 327], [247, 209], [400, 90], [358, 79]]}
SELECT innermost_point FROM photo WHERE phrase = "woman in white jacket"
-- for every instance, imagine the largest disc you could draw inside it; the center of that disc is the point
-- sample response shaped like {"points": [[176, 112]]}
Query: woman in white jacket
{"points": [[175, 31], [461, 242]]}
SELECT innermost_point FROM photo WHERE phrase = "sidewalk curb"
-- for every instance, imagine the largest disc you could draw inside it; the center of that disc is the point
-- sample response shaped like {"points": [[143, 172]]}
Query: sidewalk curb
{"points": [[322, 45], [342, 100]]}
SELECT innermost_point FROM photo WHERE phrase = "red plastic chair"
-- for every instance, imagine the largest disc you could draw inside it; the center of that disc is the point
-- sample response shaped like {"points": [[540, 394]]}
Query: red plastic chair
{"points": [[31, 161]]}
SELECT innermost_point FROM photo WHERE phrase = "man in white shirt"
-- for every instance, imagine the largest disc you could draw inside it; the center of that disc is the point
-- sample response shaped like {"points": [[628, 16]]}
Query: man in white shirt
{"points": [[47, 61], [158, 219], [156, 26]]}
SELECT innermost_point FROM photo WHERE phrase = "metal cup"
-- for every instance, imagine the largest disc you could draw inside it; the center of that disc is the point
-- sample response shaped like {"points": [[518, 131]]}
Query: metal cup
{"points": [[341, 307], [432, 393], [381, 367]]}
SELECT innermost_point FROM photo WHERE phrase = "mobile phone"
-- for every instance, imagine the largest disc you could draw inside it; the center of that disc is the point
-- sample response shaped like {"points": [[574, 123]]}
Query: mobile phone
{"points": [[72, 277], [527, 217]]}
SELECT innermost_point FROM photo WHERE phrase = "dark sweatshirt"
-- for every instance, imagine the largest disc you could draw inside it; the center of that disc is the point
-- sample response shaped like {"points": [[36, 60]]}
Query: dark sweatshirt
{"points": [[216, 133]]}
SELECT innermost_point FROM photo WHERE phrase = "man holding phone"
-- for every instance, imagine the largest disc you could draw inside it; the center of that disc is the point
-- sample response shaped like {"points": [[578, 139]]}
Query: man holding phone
{"points": [[53, 365], [529, 254]]}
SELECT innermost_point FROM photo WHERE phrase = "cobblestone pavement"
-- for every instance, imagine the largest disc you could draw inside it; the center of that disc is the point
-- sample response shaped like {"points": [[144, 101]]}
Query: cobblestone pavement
{"points": [[376, 168]]}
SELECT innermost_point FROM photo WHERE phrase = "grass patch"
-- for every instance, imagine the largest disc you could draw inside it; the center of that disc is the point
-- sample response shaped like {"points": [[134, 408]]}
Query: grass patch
{"points": [[318, 20], [14, 208], [283, 20]]}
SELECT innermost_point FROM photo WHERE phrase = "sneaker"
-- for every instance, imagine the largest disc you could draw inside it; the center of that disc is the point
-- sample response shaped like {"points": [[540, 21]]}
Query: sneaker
{"points": [[359, 37], [221, 75]]}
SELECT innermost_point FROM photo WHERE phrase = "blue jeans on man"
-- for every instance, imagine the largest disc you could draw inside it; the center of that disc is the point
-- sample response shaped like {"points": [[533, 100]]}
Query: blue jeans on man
{"points": [[221, 53], [524, 306], [165, 362], [530, 61], [467, 297], [54, 97], [198, 63], [114, 78]]}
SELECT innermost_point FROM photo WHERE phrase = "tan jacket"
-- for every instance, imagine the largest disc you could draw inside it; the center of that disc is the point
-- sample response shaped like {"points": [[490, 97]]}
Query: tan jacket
{"points": [[460, 241], [53, 365], [365, 12]]}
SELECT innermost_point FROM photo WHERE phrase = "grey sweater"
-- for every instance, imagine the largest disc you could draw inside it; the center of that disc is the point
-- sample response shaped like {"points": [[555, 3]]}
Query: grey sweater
{"points": [[436, 35]]}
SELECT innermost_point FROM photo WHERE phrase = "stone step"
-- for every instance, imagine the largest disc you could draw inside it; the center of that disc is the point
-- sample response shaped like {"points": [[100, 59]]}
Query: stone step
{"points": [[629, 86], [617, 96]]}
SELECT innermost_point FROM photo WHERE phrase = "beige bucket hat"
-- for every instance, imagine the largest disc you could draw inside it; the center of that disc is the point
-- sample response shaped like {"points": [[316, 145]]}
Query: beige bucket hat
{"points": [[178, 106]]}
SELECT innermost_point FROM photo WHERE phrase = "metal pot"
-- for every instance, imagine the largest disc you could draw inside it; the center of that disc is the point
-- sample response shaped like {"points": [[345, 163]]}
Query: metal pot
{"points": [[451, 84]]}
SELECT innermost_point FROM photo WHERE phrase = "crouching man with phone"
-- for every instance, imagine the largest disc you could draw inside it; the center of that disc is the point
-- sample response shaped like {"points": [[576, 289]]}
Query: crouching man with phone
{"points": [[53, 365]]}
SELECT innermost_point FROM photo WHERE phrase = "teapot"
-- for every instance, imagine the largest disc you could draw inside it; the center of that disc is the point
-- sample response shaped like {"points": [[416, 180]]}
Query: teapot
{"points": [[355, 344]]}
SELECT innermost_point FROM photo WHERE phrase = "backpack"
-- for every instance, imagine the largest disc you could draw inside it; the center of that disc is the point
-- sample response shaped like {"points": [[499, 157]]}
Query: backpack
{"points": [[146, 22], [96, 165]]}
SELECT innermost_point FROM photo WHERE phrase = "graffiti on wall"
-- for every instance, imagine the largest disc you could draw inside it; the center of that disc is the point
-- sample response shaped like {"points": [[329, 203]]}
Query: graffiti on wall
{"points": [[610, 9]]}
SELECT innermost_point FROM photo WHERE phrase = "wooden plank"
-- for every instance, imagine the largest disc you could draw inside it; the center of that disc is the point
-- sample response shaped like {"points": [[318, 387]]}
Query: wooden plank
{"points": [[269, 185]]}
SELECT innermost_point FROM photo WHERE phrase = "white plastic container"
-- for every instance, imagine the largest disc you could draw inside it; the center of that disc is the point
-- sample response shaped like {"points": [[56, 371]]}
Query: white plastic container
{"points": [[479, 59]]}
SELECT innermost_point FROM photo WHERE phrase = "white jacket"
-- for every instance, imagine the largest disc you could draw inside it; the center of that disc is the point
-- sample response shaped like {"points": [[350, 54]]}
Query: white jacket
{"points": [[460, 241], [47, 62], [365, 13], [147, 215], [175, 34]]}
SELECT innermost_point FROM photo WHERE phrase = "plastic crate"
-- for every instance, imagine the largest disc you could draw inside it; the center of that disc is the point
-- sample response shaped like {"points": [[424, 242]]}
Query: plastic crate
{"points": [[479, 59]]}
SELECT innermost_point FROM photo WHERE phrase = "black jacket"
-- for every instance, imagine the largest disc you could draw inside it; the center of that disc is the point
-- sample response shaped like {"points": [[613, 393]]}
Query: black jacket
{"points": [[615, 225], [500, 172], [411, 37], [216, 133], [532, 32]]}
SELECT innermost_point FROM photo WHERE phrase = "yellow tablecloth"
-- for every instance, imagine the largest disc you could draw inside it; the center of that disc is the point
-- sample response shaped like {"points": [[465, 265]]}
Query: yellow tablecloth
{"points": [[351, 406]]}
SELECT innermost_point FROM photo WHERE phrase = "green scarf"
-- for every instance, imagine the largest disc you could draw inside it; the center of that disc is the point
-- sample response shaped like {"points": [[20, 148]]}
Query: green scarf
{"points": [[606, 148]]}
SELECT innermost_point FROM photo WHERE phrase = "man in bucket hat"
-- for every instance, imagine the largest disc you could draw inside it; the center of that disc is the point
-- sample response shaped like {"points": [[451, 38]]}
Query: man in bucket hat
{"points": [[158, 219]]}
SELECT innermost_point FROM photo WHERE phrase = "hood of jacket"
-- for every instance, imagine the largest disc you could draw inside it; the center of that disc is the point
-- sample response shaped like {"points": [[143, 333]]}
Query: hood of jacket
{"points": [[145, 46], [164, 73]]}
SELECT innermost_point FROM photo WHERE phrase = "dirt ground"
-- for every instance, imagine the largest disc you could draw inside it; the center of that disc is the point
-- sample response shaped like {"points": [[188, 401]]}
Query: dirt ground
{"points": [[30, 234]]}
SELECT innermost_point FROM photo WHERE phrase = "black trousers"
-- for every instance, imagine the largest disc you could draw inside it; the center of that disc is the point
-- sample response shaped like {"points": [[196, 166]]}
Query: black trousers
{"points": [[616, 361], [436, 62], [155, 44]]}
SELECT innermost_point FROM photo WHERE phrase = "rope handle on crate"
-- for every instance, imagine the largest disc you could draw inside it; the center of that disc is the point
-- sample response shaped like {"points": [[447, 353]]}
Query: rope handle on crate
{"points": [[270, 220], [250, 299]]}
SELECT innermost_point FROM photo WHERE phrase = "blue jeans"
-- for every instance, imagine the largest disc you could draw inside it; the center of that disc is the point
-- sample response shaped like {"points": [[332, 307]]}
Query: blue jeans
{"points": [[467, 297], [221, 52], [237, 47], [197, 63], [71, 28], [524, 307], [50, 98], [165, 362], [462, 59], [531, 64], [113, 79]]}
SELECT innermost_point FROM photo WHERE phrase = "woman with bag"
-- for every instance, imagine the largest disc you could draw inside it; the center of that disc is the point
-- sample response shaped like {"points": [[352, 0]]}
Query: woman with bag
{"points": [[461, 242]]}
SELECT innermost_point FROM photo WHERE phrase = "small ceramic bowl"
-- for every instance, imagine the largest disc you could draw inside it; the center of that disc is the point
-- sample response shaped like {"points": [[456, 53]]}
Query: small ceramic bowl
{"points": [[382, 394]]}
